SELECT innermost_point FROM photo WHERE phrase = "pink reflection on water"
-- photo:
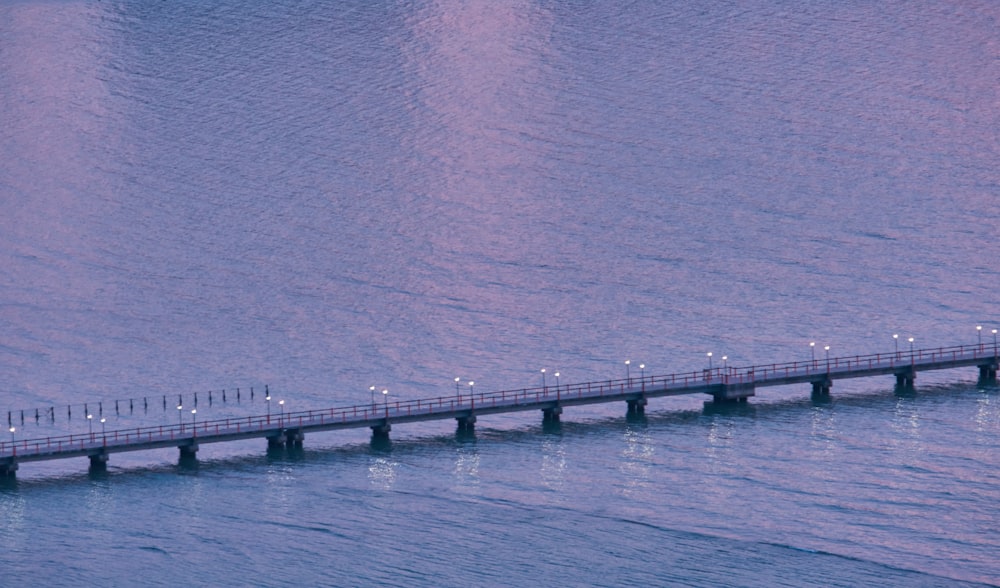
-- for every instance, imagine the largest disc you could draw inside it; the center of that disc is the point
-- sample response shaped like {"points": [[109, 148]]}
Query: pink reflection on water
{"points": [[480, 85], [58, 127], [478, 66]]}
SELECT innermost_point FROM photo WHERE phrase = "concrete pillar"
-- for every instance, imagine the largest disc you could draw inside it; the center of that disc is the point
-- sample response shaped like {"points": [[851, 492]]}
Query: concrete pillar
{"points": [[381, 431], [988, 372], [8, 467], [466, 424], [551, 415], [189, 451], [905, 378], [276, 441], [294, 437], [98, 461], [821, 388], [636, 406]]}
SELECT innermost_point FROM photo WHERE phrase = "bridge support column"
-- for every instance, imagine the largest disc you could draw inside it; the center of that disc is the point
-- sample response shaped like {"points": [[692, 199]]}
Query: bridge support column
{"points": [[905, 378], [98, 461], [636, 406], [551, 415], [8, 467], [276, 441], [988, 372], [294, 437], [381, 431], [466, 424], [189, 451], [821, 388]]}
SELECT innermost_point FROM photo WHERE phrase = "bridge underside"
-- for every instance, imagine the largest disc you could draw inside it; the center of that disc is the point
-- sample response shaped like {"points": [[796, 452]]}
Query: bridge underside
{"points": [[733, 393]]}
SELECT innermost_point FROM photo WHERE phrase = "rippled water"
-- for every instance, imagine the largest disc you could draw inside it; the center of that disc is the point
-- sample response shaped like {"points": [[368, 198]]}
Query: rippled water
{"points": [[320, 198]]}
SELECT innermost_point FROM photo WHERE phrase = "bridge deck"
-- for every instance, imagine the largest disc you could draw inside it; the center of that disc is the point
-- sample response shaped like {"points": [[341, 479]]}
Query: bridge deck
{"points": [[721, 383]]}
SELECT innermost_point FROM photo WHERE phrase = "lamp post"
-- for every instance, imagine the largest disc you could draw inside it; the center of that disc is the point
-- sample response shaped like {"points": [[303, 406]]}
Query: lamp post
{"points": [[628, 376], [371, 389], [458, 391], [267, 400], [827, 350], [12, 429], [979, 333], [102, 426], [194, 420], [725, 358], [471, 389], [911, 347], [994, 342], [90, 424], [281, 407], [557, 380], [385, 401], [642, 371], [543, 380], [709, 360], [895, 343], [812, 350], [180, 416]]}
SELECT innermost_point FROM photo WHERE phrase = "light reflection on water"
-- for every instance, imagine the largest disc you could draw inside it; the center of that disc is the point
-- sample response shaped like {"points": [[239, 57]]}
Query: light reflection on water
{"points": [[637, 460], [382, 472]]}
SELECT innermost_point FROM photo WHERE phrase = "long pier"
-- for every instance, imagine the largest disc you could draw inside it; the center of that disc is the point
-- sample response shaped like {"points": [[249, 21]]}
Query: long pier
{"points": [[724, 384]]}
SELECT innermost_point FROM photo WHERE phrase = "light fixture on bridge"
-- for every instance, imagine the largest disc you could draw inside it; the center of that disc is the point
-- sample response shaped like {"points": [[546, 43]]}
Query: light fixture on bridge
{"points": [[709, 360], [979, 333]]}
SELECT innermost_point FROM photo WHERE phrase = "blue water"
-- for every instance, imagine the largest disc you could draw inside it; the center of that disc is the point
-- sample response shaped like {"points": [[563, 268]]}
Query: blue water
{"points": [[321, 198]]}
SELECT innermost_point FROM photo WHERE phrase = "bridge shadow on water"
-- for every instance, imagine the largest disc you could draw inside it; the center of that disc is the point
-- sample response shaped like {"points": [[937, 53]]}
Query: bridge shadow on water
{"points": [[743, 409], [756, 408], [98, 472], [465, 437], [380, 444]]}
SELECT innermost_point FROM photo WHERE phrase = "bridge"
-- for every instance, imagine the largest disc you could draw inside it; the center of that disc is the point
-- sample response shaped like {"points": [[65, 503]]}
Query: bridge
{"points": [[724, 384]]}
